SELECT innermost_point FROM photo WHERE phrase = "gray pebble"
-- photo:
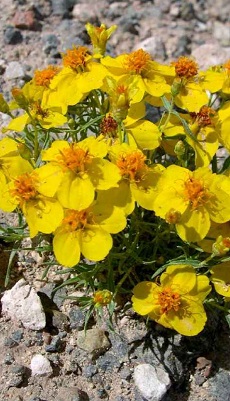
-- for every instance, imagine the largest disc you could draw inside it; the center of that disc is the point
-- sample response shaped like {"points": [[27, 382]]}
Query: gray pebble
{"points": [[12, 36]]}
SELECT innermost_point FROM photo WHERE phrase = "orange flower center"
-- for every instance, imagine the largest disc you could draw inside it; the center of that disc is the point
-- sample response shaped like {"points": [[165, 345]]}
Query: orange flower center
{"points": [[227, 66], [102, 298], [43, 77], [109, 126], [25, 187], [74, 158], [168, 300], [204, 117], [226, 242], [132, 165], [185, 67], [137, 61], [76, 58], [75, 220], [121, 89], [195, 192]]}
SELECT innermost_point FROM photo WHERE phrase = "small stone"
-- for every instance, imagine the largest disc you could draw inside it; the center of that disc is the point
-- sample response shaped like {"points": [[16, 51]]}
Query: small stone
{"points": [[125, 373], [82, 12], [9, 342], [71, 394], [51, 43], [16, 381], [89, 371], [210, 54], [108, 362], [26, 20], [18, 370], [40, 366], [55, 345], [77, 318], [221, 32], [22, 297], [60, 8], [12, 36], [154, 46], [102, 393], [60, 320], [9, 359], [71, 367], [17, 336], [187, 12], [152, 382], [93, 340]]}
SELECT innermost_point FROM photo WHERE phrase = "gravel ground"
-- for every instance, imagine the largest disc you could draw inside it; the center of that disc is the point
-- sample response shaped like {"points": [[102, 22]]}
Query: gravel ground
{"points": [[108, 365]]}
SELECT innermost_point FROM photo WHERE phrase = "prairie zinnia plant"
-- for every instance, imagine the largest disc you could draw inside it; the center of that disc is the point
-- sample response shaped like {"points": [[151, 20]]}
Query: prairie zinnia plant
{"points": [[118, 168]]}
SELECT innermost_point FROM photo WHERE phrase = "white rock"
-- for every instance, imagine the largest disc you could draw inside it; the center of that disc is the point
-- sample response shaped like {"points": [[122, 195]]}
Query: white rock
{"points": [[152, 382], [22, 303], [14, 70], [221, 32], [154, 46], [210, 54], [40, 366]]}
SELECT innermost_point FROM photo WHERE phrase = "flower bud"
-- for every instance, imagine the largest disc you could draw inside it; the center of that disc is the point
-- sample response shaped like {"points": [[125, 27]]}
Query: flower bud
{"points": [[221, 246], [102, 298]]}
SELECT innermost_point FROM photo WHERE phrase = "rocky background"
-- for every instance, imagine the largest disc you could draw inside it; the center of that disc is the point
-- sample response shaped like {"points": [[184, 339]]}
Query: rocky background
{"points": [[45, 354]]}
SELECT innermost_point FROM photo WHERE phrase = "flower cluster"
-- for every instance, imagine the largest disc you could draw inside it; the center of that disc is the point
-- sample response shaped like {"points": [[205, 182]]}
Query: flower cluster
{"points": [[117, 160]]}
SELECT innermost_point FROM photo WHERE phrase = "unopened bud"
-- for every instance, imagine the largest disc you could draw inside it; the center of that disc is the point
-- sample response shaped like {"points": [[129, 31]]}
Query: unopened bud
{"points": [[20, 98], [102, 298], [180, 149], [172, 216], [4, 108], [221, 246]]}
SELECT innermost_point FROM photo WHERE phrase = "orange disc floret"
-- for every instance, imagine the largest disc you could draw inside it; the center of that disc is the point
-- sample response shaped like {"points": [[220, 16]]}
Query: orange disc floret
{"points": [[168, 300], [227, 66], [74, 158], [75, 220], [132, 165], [25, 187], [75, 58], [137, 61], [102, 298], [109, 126], [204, 116], [43, 77], [195, 192], [185, 67]]}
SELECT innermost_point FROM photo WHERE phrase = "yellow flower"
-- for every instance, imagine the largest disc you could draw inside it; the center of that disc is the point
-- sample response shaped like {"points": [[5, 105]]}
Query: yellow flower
{"points": [[220, 277], [216, 230], [87, 231], [11, 163], [177, 302], [186, 88], [224, 119], [140, 133], [124, 98], [137, 180], [80, 74], [139, 66], [199, 197], [34, 193], [99, 36], [83, 170], [204, 127], [217, 78]]}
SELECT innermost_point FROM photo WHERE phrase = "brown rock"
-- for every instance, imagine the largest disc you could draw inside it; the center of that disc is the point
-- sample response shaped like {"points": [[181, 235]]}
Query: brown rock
{"points": [[26, 20]]}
